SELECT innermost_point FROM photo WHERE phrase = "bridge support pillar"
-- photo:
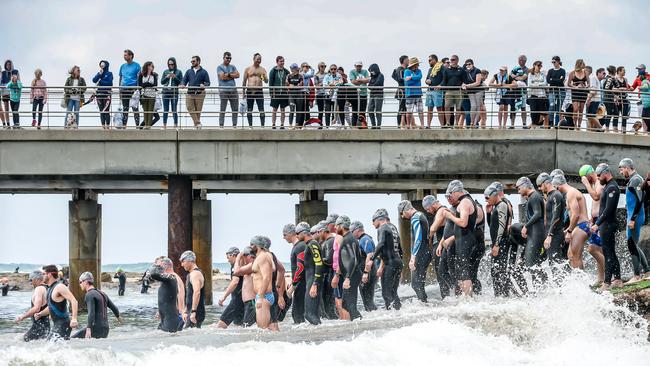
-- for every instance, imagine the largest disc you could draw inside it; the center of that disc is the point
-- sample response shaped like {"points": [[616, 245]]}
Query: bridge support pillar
{"points": [[202, 238], [312, 207], [84, 240], [179, 217]]}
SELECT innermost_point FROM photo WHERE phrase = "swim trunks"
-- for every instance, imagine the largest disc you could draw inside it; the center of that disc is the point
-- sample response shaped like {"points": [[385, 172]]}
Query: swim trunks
{"points": [[268, 296]]}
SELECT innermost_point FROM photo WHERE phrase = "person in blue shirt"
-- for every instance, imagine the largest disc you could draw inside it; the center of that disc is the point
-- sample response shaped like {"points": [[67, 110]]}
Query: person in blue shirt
{"points": [[227, 73], [420, 253], [5, 78], [413, 92], [129, 81], [104, 80], [367, 246]]}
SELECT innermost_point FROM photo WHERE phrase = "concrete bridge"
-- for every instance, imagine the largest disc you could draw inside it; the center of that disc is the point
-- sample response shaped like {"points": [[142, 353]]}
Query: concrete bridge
{"points": [[188, 164]]}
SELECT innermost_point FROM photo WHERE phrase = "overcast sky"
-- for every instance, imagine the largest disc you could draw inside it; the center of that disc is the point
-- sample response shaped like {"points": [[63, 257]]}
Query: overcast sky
{"points": [[54, 35]]}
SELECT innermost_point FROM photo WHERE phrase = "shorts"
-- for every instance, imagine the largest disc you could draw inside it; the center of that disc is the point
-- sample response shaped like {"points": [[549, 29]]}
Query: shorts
{"points": [[414, 104], [435, 98], [269, 296], [592, 109], [233, 313], [453, 99], [282, 102], [592, 238], [338, 290], [249, 313]]}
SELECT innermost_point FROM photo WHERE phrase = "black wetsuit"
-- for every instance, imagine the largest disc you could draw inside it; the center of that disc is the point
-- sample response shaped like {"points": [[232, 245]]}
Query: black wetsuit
{"points": [[349, 267], [121, 277], [479, 250], [234, 312], [167, 299], [420, 248], [200, 308], [465, 243], [329, 305], [499, 221], [535, 237], [313, 276], [97, 304], [446, 270], [5, 289], [367, 290], [606, 222], [40, 327], [516, 271], [59, 314], [277, 314], [145, 283], [388, 250], [555, 207], [298, 281]]}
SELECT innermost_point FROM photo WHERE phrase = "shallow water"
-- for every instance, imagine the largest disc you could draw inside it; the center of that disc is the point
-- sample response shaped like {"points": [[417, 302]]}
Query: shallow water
{"points": [[558, 326]]}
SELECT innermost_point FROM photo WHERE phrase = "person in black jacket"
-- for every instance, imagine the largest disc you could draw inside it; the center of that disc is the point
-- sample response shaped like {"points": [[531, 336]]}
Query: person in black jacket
{"points": [[398, 76], [104, 80], [148, 80], [376, 87], [97, 303]]}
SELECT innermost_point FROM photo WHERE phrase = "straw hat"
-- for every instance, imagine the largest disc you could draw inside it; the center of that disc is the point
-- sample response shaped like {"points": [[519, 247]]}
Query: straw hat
{"points": [[413, 61]]}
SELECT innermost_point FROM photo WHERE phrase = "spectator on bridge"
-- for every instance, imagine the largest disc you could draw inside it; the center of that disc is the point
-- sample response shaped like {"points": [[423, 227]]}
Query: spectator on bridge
{"points": [[578, 81], [537, 96], [129, 72], [15, 88], [452, 79], [279, 96], [376, 102], [555, 78], [638, 82], [171, 79], [472, 85], [484, 84], [398, 76], [308, 79], [520, 74], [148, 80], [331, 82], [37, 97], [4, 80], [321, 91], [297, 96], [360, 77], [227, 73], [594, 98], [608, 98], [73, 96], [347, 100], [413, 92], [620, 100], [645, 101], [435, 97], [104, 80], [195, 80], [503, 83], [254, 78]]}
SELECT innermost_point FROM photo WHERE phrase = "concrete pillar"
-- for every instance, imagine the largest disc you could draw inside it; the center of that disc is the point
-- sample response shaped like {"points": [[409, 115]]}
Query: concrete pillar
{"points": [[312, 207], [84, 240], [179, 217], [202, 240]]}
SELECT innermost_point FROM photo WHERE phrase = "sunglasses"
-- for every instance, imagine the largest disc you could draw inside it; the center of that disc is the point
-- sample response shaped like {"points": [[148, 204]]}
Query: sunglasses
{"points": [[227, 58], [454, 60], [487, 198]]}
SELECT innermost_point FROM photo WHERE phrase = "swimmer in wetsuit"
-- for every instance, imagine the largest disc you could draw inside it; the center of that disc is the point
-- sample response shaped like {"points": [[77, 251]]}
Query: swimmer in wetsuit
{"points": [[313, 268], [163, 272], [555, 207], [328, 235], [194, 291], [635, 217], [499, 218], [40, 328], [420, 252], [297, 259], [479, 250], [388, 252], [58, 296], [350, 269], [533, 230], [436, 235], [234, 312], [97, 304], [121, 277], [367, 246], [263, 268]]}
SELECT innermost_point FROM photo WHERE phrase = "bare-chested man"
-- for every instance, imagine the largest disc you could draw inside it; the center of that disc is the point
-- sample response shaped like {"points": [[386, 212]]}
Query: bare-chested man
{"points": [[579, 219], [244, 267], [254, 78], [263, 268], [594, 188], [41, 327], [58, 296]]}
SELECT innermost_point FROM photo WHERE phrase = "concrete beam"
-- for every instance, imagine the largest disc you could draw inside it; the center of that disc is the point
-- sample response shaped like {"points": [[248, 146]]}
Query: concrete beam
{"points": [[179, 216], [202, 241], [84, 243], [311, 211]]}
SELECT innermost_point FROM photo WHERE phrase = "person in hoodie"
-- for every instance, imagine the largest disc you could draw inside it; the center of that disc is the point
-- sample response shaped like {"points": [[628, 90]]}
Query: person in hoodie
{"points": [[171, 79], [7, 73], [104, 80], [376, 86]]}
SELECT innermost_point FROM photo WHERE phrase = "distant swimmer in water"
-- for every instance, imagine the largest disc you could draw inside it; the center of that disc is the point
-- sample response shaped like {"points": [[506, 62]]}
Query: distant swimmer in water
{"points": [[234, 312], [263, 268], [145, 283], [4, 286], [121, 277], [40, 327], [97, 303], [58, 296], [194, 291], [163, 272]]}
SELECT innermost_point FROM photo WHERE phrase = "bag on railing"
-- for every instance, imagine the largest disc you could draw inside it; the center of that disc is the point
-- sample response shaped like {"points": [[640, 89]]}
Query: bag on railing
{"points": [[243, 106], [117, 119], [135, 100], [63, 104]]}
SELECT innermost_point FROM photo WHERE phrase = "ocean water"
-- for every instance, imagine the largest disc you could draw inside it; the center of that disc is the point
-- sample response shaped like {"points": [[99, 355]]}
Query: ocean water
{"points": [[571, 325]]}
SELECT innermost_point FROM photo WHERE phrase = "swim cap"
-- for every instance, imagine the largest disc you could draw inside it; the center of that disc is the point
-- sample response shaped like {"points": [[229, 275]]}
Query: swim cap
{"points": [[524, 182], [381, 213], [233, 251], [316, 228], [356, 225], [429, 201], [188, 256], [343, 221], [626, 163], [119, 269], [331, 218], [585, 170], [498, 186], [542, 178], [323, 226], [602, 168], [36, 275], [289, 229], [404, 206], [490, 191], [556, 172], [454, 186], [558, 180], [261, 241], [301, 227], [166, 262], [86, 276], [247, 251]]}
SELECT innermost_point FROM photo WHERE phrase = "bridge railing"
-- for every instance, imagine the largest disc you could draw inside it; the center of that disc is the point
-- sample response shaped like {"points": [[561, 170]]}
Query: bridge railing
{"points": [[338, 107]]}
